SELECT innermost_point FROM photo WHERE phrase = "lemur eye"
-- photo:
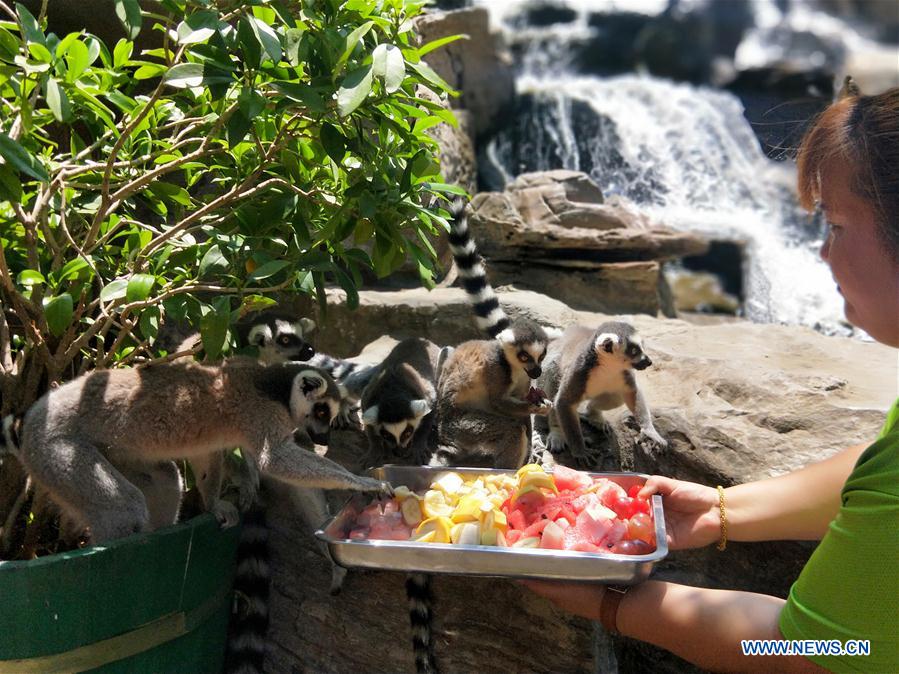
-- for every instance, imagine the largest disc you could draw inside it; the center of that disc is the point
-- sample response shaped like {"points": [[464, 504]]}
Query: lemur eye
{"points": [[523, 357], [284, 339], [322, 412]]}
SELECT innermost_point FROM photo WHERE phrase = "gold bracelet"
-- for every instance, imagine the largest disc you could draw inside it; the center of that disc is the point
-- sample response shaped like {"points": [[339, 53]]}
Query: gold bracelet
{"points": [[722, 542]]}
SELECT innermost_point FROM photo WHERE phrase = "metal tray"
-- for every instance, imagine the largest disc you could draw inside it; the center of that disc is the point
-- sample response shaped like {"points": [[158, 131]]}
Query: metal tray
{"points": [[483, 560]]}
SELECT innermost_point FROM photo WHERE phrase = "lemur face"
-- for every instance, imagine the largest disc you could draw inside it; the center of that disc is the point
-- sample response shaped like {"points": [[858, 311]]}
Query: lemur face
{"points": [[313, 405], [397, 434], [282, 341], [625, 347], [524, 349]]}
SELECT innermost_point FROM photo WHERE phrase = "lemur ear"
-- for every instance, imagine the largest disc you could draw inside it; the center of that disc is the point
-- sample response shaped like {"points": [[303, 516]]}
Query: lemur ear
{"points": [[606, 341], [259, 335], [507, 336], [370, 416], [420, 407], [311, 385], [307, 326]]}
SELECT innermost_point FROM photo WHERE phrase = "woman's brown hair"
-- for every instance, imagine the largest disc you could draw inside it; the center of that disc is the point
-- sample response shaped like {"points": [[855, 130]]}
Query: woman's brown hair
{"points": [[863, 131]]}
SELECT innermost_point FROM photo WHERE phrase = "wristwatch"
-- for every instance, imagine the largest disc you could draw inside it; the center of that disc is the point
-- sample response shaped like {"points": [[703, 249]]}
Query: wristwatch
{"points": [[608, 606]]}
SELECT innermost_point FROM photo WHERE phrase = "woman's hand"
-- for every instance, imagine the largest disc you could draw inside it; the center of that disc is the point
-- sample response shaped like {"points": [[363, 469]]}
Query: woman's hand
{"points": [[581, 599], [692, 517]]}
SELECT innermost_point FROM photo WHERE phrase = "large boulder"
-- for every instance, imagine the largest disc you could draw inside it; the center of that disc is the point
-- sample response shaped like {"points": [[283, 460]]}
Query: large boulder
{"points": [[736, 401], [553, 232], [479, 66]]}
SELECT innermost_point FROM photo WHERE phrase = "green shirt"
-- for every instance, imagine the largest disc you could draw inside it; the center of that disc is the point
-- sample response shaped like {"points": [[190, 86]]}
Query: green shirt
{"points": [[849, 589]]}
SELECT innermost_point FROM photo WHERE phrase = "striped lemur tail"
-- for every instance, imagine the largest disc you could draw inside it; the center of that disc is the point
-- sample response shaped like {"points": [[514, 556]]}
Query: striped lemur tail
{"points": [[418, 590], [248, 626], [488, 313], [493, 320]]}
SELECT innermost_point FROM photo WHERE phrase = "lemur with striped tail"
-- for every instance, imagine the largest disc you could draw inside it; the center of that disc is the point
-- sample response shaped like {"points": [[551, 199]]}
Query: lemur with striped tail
{"points": [[483, 411]]}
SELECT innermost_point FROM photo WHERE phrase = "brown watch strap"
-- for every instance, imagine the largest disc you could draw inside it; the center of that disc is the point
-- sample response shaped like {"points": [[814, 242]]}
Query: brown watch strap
{"points": [[608, 607]]}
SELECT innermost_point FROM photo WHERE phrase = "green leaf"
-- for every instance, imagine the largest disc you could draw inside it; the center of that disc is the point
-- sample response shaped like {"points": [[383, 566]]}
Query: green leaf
{"points": [[58, 311], [10, 185], [149, 71], [195, 75], [128, 12], [429, 75], [436, 44], [71, 270], [77, 60], [249, 42], [58, 101], [122, 53], [333, 142], [139, 287], [9, 45], [114, 290], [30, 277], [267, 270], [302, 93], [448, 189], [149, 322], [214, 327], [198, 27], [40, 52], [351, 41], [388, 63], [213, 262], [18, 157], [30, 26], [237, 127], [356, 86], [251, 103], [267, 38]]}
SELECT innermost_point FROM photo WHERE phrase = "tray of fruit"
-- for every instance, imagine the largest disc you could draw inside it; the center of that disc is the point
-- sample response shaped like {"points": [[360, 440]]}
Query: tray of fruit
{"points": [[530, 523]]}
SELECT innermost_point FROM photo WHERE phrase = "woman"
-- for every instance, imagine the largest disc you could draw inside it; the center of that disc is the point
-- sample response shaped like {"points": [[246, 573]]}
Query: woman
{"points": [[849, 589]]}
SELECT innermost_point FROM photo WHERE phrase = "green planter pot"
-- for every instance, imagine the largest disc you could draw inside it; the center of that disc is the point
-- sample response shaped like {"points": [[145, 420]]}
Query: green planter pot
{"points": [[155, 602]]}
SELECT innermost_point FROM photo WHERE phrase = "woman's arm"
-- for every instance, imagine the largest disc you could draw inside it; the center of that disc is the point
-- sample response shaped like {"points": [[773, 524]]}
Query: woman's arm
{"points": [[796, 506], [701, 625]]}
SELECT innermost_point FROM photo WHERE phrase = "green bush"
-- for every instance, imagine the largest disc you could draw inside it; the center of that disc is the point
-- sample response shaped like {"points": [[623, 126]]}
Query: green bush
{"points": [[262, 147]]}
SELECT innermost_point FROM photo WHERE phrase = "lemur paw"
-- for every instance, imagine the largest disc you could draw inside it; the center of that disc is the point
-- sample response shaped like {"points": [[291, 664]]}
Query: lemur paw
{"points": [[555, 442], [226, 513], [348, 418], [384, 489], [655, 440], [543, 408]]}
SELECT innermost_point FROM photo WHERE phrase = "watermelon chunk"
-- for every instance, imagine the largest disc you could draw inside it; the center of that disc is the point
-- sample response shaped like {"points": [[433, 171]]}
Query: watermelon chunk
{"points": [[567, 478]]}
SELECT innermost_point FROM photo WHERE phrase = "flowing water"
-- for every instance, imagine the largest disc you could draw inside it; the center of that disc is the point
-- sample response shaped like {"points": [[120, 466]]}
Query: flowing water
{"points": [[684, 153]]}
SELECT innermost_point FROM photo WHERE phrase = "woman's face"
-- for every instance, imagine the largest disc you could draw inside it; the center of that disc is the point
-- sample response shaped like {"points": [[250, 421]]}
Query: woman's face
{"points": [[867, 274]]}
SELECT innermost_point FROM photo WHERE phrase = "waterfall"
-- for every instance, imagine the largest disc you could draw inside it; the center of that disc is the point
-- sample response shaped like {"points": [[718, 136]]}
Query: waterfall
{"points": [[684, 153]]}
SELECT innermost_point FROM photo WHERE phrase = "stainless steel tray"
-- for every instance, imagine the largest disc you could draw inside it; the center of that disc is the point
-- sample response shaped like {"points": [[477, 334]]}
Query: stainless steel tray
{"points": [[482, 560]]}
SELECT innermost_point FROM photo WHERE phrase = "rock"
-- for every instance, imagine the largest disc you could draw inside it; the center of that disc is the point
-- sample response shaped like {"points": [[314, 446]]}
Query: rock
{"points": [[737, 402], [478, 66], [534, 220], [554, 233], [610, 287]]}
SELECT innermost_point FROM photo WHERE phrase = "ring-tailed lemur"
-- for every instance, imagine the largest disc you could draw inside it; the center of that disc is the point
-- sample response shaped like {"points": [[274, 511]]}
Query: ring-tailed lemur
{"points": [[595, 366], [483, 416], [398, 403], [77, 439]]}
